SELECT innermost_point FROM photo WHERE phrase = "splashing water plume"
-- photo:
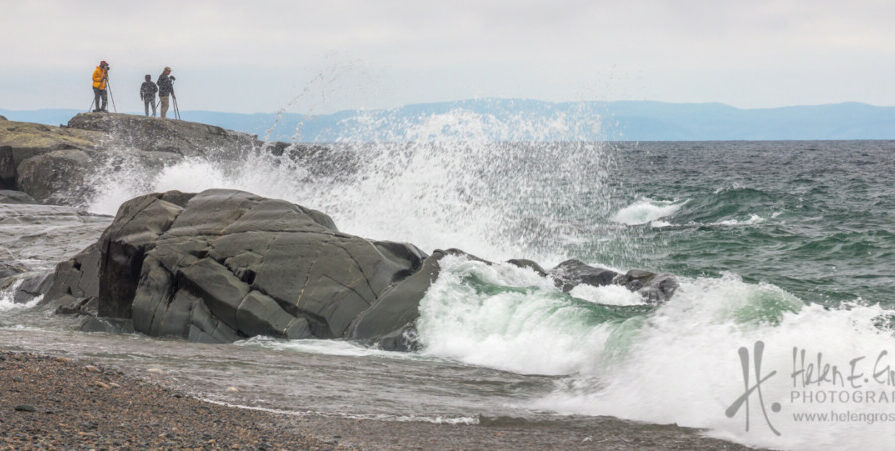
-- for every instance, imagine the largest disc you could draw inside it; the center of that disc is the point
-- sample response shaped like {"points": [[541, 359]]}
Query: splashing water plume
{"points": [[440, 181]]}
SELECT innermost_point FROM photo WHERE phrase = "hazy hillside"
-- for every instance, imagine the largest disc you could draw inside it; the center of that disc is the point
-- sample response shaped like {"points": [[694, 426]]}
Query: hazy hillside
{"points": [[513, 119]]}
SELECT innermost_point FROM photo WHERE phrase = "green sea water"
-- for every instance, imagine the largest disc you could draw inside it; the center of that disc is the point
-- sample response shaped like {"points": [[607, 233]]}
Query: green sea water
{"points": [[816, 218]]}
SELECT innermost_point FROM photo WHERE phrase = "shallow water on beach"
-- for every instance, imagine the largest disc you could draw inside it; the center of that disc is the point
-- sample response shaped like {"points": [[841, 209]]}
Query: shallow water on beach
{"points": [[790, 243]]}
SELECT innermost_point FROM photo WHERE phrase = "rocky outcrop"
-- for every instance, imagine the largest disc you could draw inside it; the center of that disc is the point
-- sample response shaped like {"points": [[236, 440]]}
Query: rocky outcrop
{"points": [[52, 164], [572, 273], [20, 141], [164, 135], [223, 265], [655, 288]]}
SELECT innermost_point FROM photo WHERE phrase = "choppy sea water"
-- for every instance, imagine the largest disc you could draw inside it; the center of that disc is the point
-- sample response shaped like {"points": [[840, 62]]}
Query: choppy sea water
{"points": [[787, 243]]}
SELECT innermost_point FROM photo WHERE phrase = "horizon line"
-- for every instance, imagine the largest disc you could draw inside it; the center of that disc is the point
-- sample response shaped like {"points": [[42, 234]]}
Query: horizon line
{"points": [[567, 102]]}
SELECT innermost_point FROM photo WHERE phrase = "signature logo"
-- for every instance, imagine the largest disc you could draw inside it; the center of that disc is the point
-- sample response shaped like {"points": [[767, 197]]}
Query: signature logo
{"points": [[757, 351]]}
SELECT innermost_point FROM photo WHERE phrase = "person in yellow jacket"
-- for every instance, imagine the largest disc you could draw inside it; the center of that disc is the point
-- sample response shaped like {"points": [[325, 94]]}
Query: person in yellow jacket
{"points": [[100, 82]]}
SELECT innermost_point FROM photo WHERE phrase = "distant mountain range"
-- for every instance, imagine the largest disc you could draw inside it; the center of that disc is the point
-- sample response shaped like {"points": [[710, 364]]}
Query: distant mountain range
{"points": [[525, 120]]}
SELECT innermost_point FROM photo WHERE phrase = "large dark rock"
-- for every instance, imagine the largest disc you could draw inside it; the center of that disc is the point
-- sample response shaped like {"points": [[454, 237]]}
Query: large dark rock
{"points": [[223, 265]]}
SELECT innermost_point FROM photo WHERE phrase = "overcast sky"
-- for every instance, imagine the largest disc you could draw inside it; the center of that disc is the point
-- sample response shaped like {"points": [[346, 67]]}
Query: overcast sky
{"points": [[321, 56]]}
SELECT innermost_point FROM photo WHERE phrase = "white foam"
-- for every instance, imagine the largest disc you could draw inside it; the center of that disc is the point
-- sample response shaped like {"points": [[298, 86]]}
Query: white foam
{"points": [[606, 295], [7, 295], [646, 210], [678, 364], [327, 347], [683, 368], [437, 419], [753, 219], [532, 328]]}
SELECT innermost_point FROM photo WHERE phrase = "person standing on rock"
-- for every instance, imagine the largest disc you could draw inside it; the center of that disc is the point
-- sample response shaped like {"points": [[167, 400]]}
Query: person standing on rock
{"points": [[100, 82], [165, 88], [147, 94]]}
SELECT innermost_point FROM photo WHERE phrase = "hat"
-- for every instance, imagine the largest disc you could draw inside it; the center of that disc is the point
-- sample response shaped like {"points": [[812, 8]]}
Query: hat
{"points": [[103, 63], [168, 68]]}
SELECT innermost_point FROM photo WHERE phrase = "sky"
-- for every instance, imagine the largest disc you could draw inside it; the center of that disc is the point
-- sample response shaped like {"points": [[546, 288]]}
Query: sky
{"points": [[324, 56]]}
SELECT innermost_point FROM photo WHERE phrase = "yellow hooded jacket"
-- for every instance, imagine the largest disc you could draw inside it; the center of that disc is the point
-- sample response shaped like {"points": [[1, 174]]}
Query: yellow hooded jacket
{"points": [[99, 78]]}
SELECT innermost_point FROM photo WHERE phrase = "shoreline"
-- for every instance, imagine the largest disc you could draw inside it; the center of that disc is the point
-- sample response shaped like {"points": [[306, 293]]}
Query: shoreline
{"points": [[48, 401], [55, 402]]}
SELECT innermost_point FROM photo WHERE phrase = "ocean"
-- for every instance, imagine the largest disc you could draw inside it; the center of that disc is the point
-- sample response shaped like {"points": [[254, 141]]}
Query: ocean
{"points": [[790, 244]]}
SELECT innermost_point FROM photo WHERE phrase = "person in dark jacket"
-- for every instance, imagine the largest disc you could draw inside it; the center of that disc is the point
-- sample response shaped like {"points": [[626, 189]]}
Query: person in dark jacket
{"points": [[165, 88], [147, 95]]}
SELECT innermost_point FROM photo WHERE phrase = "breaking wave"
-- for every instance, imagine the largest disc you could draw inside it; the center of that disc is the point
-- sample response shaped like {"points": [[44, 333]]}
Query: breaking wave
{"points": [[647, 210], [677, 363]]}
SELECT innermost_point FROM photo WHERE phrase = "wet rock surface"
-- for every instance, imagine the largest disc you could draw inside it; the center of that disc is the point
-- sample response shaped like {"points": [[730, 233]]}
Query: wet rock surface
{"points": [[223, 265], [654, 288], [25, 255]]}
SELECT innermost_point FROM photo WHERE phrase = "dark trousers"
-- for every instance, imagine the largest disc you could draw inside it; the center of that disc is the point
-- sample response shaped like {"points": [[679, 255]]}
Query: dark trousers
{"points": [[149, 102], [99, 94]]}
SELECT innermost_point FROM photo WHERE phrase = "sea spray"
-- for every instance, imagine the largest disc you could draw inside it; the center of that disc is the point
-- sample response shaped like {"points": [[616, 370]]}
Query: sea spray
{"points": [[442, 181]]}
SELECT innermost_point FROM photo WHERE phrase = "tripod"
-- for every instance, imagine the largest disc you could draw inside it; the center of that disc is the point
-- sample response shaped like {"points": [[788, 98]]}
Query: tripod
{"points": [[112, 96], [176, 109]]}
